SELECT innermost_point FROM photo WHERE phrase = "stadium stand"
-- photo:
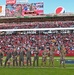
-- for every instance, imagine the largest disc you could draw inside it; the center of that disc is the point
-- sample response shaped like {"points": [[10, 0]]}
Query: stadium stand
{"points": [[25, 39], [21, 25]]}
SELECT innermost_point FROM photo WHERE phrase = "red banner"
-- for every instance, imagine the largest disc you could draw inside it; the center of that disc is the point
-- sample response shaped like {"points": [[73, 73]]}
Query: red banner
{"points": [[10, 1]]}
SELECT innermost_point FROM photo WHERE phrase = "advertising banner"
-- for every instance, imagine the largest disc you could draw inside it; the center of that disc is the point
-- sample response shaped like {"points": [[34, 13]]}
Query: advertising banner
{"points": [[10, 1], [2, 7], [2, 10]]}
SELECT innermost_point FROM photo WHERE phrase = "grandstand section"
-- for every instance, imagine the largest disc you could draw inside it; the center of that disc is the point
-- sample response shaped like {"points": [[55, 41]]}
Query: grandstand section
{"points": [[38, 37], [39, 31], [37, 18], [25, 25], [40, 21]]}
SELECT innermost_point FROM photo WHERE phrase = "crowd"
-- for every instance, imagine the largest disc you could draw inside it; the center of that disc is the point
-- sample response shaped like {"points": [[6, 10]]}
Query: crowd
{"points": [[23, 57], [25, 44], [20, 47], [39, 40], [56, 24]]}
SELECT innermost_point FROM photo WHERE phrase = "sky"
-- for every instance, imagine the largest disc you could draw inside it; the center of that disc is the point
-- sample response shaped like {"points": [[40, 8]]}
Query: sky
{"points": [[51, 5], [2, 2]]}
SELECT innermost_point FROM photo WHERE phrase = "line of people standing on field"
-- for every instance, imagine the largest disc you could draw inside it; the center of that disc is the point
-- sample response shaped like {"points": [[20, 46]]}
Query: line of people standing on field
{"points": [[24, 57]]}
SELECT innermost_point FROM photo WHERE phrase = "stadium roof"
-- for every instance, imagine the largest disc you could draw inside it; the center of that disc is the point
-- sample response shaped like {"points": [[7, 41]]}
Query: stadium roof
{"points": [[36, 18]]}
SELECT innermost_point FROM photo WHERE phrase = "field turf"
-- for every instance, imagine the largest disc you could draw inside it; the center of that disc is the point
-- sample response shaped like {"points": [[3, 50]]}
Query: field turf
{"points": [[36, 71], [69, 70]]}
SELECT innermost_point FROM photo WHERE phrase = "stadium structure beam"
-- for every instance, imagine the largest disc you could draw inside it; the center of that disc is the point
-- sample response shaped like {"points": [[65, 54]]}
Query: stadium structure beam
{"points": [[39, 29]]}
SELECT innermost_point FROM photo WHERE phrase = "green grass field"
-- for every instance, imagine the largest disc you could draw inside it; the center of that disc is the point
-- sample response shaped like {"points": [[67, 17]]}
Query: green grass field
{"points": [[69, 70], [36, 71]]}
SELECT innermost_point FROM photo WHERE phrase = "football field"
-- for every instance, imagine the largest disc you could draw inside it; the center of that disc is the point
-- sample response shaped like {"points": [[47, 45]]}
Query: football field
{"points": [[56, 70]]}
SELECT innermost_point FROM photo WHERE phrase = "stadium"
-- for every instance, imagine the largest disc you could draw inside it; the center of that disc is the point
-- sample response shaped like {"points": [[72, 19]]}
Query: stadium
{"points": [[32, 42]]}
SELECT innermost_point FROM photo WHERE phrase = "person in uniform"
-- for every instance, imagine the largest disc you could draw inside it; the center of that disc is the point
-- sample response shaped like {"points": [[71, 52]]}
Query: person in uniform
{"points": [[9, 54], [28, 55], [51, 55], [44, 57], [15, 54], [1, 57], [36, 57], [62, 55], [21, 57]]}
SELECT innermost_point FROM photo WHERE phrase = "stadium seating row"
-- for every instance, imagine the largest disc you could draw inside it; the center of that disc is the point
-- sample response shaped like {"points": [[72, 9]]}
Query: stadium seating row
{"points": [[25, 25]]}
